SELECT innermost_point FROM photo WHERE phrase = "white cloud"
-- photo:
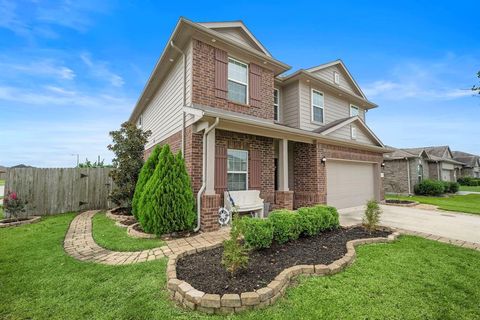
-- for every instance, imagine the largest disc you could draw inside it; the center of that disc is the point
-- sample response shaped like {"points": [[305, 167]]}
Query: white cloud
{"points": [[42, 67], [448, 78], [100, 70]]}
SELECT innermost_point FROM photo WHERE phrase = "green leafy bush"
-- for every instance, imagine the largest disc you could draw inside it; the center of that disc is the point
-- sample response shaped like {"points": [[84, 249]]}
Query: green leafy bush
{"points": [[334, 218], [372, 215], [429, 188], [317, 219], [235, 255], [468, 181], [167, 203], [145, 174], [128, 147], [286, 225], [257, 233], [450, 187]]}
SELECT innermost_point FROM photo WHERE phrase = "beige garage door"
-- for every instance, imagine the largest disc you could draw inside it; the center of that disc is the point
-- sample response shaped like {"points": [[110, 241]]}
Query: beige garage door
{"points": [[349, 184]]}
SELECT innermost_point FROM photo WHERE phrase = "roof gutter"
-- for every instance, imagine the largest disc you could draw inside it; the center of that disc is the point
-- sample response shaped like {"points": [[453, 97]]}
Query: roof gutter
{"points": [[204, 173]]}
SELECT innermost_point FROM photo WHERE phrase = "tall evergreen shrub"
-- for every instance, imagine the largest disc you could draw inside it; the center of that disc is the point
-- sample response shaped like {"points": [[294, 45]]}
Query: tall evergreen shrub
{"points": [[145, 174], [167, 204]]}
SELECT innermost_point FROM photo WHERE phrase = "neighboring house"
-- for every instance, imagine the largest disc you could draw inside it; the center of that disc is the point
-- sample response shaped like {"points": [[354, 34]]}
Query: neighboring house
{"points": [[471, 164], [3, 172], [216, 93], [435, 163]]}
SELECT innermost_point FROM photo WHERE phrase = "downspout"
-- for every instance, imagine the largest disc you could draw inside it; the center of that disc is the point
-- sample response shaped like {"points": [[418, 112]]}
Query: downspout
{"points": [[204, 174], [184, 93], [438, 172], [408, 177]]}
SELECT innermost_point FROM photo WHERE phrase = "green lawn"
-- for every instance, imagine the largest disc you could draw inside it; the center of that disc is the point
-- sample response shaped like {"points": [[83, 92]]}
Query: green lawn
{"points": [[412, 278], [112, 237], [468, 188], [469, 203]]}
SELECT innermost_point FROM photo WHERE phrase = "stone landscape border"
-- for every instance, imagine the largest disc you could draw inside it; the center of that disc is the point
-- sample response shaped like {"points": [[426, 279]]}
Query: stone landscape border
{"points": [[138, 234], [191, 298], [32, 219], [116, 217], [411, 204]]}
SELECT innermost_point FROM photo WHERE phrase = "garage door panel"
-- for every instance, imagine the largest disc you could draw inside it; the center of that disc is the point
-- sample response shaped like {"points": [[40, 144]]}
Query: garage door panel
{"points": [[349, 184]]}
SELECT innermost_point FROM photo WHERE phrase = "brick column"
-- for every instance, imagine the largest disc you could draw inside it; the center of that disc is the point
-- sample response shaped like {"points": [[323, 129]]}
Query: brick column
{"points": [[284, 200], [209, 212]]}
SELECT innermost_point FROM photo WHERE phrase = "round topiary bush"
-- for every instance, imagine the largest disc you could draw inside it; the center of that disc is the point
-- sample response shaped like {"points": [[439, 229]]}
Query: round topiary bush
{"points": [[287, 225], [257, 233], [145, 174], [167, 204], [429, 188]]}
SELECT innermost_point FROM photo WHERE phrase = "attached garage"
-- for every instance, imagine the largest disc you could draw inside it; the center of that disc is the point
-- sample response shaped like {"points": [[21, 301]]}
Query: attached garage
{"points": [[350, 183]]}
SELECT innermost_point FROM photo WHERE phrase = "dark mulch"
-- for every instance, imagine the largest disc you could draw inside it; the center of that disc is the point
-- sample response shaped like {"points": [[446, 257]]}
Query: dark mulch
{"points": [[139, 228], [122, 211], [394, 201], [205, 272], [128, 221]]}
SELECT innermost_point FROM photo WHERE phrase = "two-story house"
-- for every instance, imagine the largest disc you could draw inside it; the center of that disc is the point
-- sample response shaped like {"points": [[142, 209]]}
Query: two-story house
{"points": [[217, 95]]}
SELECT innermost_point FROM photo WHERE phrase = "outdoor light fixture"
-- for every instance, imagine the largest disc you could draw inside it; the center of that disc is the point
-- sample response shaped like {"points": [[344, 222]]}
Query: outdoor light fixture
{"points": [[171, 60], [323, 160], [383, 164]]}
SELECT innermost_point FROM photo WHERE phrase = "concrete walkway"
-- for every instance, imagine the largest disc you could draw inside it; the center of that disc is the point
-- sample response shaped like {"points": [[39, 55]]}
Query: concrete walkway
{"points": [[79, 244], [461, 227], [464, 193]]}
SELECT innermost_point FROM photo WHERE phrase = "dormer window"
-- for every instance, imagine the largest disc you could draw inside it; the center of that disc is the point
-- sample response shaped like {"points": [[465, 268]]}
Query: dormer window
{"points": [[237, 81], [276, 105], [354, 111], [336, 78]]}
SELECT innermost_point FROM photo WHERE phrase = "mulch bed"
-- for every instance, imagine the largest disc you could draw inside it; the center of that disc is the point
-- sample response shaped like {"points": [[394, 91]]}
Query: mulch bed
{"points": [[128, 221], [205, 272], [121, 211], [138, 228], [394, 201], [10, 220]]}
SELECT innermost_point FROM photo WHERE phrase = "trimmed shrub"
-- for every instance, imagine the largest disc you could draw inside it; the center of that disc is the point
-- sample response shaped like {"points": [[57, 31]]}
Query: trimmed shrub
{"points": [[286, 225], [318, 218], [334, 218], [257, 233], [167, 203], [450, 187], [468, 181], [372, 215], [429, 188], [145, 174]]}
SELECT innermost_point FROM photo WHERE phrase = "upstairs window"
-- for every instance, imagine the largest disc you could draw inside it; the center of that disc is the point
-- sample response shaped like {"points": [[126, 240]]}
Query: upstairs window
{"points": [[354, 111], [336, 78], [317, 106], [237, 81], [276, 105], [237, 169]]}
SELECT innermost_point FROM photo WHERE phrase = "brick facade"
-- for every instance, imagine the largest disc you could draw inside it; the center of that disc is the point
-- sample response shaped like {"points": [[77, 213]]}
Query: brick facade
{"points": [[203, 85]]}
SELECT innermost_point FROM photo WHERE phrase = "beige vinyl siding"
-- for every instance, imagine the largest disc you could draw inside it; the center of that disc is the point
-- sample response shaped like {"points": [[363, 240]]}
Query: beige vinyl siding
{"points": [[188, 53], [345, 133], [163, 115], [289, 96], [237, 35], [334, 107], [345, 83]]}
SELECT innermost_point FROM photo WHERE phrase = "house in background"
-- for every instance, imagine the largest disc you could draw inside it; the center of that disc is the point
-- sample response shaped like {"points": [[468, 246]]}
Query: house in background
{"points": [[217, 95], [404, 168], [471, 164]]}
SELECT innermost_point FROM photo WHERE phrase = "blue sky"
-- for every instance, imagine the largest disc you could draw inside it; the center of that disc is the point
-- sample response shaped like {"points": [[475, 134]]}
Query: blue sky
{"points": [[71, 71]]}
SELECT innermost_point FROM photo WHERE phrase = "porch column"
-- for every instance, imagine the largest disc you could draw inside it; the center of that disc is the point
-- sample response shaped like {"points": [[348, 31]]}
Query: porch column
{"points": [[283, 165], [210, 165]]}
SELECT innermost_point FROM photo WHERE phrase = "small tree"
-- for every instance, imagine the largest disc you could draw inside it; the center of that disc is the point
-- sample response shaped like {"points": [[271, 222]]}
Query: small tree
{"points": [[167, 204], [235, 255], [477, 88], [128, 147], [145, 174], [97, 164], [13, 205], [372, 215]]}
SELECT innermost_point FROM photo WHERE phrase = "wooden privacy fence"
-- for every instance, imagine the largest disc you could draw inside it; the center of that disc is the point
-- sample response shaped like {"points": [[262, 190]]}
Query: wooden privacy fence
{"points": [[50, 191]]}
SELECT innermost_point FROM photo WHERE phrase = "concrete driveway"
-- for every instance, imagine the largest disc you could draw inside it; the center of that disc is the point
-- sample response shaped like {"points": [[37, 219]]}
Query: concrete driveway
{"points": [[457, 226]]}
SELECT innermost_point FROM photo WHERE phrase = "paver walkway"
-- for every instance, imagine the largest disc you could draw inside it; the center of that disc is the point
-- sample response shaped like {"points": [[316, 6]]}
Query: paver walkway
{"points": [[79, 244]]}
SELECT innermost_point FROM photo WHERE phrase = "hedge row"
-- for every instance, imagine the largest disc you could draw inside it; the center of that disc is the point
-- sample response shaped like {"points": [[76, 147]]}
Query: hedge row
{"points": [[435, 187], [469, 181], [285, 225]]}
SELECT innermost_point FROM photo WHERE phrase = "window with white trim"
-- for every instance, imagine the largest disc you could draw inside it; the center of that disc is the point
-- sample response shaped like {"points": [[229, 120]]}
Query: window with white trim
{"points": [[317, 106], [420, 172], [353, 131], [237, 170], [354, 111], [140, 121], [336, 77], [276, 105], [237, 81]]}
